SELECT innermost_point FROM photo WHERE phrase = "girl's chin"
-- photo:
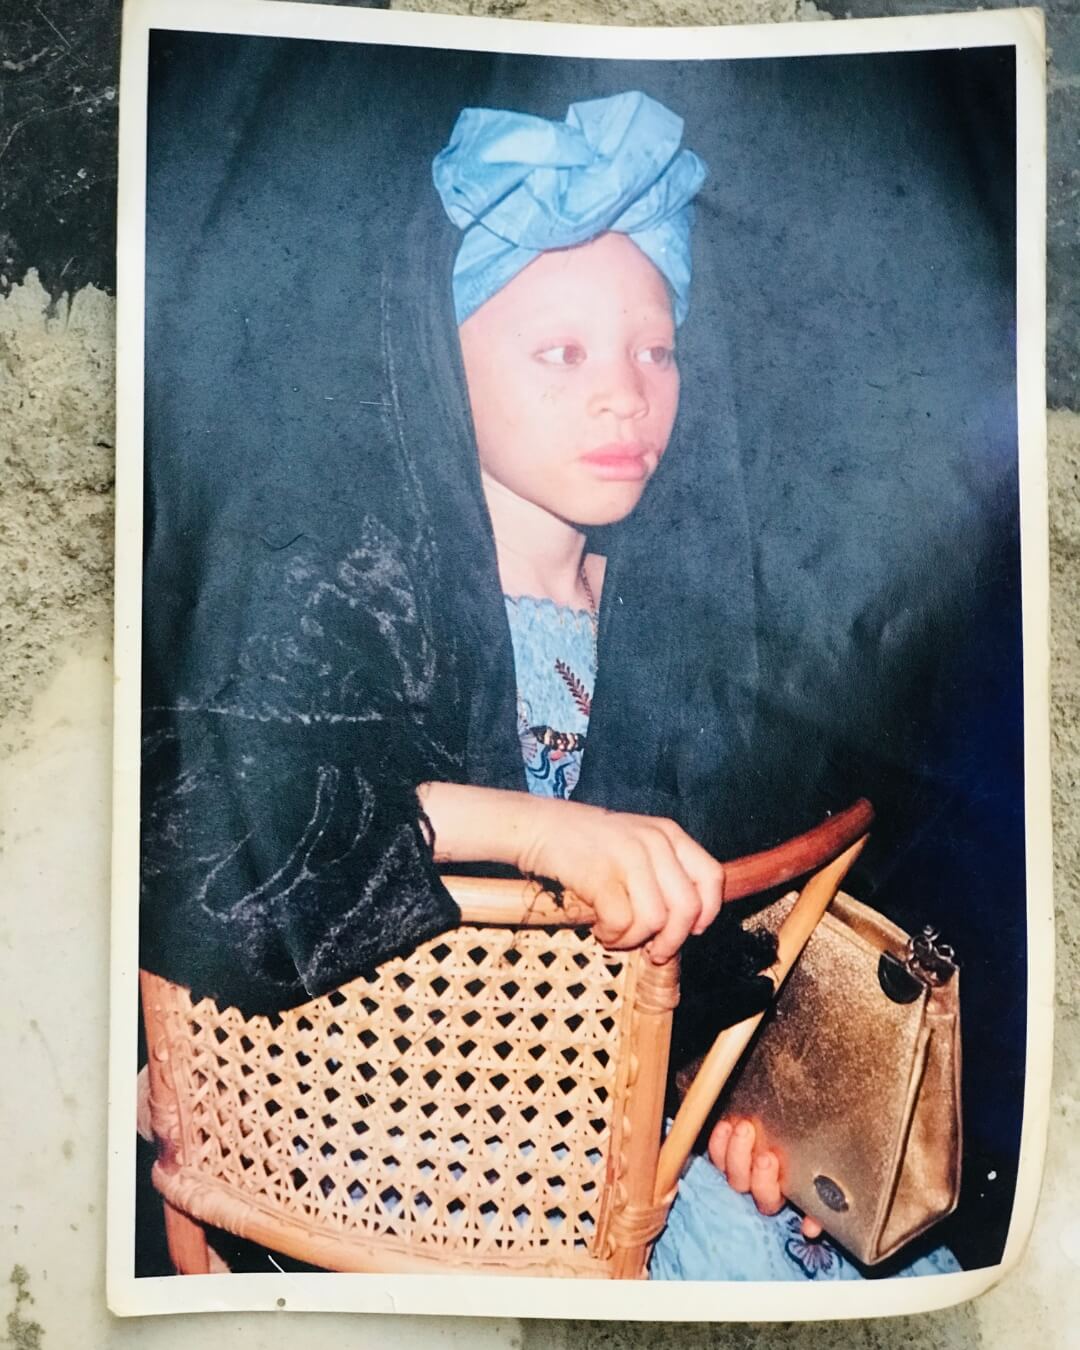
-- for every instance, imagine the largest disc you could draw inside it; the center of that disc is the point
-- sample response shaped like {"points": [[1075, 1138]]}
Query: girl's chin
{"points": [[594, 510]]}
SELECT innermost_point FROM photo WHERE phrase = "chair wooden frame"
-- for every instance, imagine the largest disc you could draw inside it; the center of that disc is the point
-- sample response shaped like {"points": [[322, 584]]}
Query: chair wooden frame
{"points": [[432, 1116]]}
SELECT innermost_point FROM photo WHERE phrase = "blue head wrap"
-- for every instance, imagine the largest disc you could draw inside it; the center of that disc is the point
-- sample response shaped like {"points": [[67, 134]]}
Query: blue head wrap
{"points": [[518, 185]]}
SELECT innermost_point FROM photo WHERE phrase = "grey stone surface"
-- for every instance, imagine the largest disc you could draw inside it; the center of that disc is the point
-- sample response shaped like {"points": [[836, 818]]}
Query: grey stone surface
{"points": [[667, 13], [954, 1329], [56, 479], [1063, 239]]}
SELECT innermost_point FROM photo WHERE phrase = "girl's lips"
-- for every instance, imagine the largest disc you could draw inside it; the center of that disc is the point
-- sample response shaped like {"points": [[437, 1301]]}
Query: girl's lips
{"points": [[618, 462]]}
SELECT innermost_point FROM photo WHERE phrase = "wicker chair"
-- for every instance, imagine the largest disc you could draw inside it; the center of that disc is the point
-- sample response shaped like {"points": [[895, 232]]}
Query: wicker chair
{"points": [[492, 1102]]}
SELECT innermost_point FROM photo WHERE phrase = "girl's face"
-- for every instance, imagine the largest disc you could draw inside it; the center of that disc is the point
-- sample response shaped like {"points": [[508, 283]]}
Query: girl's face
{"points": [[573, 382]]}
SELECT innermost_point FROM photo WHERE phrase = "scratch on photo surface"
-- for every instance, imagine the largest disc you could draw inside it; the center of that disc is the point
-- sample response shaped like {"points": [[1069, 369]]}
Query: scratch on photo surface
{"points": [[36, 1029]]}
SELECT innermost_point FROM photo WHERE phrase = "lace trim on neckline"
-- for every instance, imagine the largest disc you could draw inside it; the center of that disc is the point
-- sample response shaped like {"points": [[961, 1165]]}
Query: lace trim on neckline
{"points": [[544, 602]]}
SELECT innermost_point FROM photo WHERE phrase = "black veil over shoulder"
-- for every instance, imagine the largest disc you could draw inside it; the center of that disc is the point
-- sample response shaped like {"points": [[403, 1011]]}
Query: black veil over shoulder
{"points": [[336, 653], [817, 599]]}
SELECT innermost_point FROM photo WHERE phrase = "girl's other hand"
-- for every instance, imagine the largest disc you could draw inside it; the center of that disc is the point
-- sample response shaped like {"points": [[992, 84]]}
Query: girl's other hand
{"points": [[644, 875], [733, 1148]]}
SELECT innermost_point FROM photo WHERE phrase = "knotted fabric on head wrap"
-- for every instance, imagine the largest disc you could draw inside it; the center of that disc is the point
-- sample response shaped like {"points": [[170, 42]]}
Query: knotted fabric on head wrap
{"points": [[518, 185]]}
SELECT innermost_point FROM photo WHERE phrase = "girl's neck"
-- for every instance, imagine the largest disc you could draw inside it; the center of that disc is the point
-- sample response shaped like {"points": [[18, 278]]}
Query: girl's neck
{"points": [[538, 554]]}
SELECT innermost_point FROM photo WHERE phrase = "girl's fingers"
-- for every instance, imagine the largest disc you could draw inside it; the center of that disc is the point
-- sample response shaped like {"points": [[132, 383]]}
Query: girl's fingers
{"points": [[648, 910], [718, 1143], [731, 1151], [704, 872], [614, 915], [740, 1154], [765, 1183], [681, 899], [708, 876]]}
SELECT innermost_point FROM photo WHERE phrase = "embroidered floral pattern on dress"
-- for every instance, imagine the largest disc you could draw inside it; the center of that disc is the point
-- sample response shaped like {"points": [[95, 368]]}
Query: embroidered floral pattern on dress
{"points": [[813, 1256], [555, 668]]}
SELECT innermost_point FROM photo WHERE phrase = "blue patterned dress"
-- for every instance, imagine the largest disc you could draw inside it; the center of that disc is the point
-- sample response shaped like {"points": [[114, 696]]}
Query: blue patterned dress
{"points": [[555, 667], [713, 1232]]}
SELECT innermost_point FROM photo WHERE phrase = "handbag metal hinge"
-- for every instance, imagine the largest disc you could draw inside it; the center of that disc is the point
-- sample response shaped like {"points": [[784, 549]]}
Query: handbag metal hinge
{"points": [[926, 964], [932, 961]]}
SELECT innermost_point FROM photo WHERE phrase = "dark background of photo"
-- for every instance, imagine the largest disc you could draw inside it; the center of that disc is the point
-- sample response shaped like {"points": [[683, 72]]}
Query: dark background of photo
{"points": [[854, 246]]}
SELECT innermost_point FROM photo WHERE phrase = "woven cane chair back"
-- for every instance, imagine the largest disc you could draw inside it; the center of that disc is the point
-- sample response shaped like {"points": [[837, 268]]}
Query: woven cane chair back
{"points": [[492, 1102], [468, 1104]]}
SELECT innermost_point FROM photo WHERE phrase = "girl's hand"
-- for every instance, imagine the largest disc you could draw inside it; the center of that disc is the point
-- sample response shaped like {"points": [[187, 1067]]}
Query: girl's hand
{"points": [[748, 1168], [644, 876]]}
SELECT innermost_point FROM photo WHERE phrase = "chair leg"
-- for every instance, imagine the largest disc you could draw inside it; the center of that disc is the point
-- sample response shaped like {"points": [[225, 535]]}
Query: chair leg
{"points": [[188, 1248]]}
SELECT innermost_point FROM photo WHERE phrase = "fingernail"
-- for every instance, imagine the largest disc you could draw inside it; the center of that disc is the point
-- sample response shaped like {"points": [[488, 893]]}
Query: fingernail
{"points": [[744, 1129]]}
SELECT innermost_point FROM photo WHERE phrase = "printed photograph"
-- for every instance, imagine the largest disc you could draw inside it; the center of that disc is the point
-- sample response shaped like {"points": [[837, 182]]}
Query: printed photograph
{"points": [[582, 714]]}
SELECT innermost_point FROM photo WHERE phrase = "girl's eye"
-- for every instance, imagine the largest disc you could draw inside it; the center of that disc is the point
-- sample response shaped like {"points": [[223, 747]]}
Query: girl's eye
{"points": [[657, 356], [566, 354]]}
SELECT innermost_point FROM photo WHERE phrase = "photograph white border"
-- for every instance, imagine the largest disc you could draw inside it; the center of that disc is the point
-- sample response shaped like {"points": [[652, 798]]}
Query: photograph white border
{"points": [[507, 1296]]}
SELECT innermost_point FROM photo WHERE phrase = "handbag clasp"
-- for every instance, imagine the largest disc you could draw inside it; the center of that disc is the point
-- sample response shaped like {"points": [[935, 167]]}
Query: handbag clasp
{"points": [[926, 964], [929, 960]]}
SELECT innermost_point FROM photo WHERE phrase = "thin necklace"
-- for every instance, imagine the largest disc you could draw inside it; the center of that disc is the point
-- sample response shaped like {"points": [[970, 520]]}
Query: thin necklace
{"points": [[594, 614]]}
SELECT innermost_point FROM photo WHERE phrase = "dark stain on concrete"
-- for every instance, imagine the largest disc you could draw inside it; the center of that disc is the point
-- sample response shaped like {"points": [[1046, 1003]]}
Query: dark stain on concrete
{"points": [[59, 66], [22, 1334], [59, 93]]}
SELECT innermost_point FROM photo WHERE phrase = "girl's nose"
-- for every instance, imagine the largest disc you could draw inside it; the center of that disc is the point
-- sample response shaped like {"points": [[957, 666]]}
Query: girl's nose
{"points": [[619, 389]]}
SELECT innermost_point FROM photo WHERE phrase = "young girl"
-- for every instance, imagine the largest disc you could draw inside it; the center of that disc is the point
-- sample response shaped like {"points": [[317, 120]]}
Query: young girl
{"points": [[382, 708]]}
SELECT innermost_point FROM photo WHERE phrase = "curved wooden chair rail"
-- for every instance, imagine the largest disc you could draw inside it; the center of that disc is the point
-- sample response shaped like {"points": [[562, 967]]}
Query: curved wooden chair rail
{"points": [[222, 1085], [521, 903]]}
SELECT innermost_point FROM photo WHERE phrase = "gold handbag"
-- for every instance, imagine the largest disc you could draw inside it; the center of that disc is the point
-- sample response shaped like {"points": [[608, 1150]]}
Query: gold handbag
{"points": [[854, 1078]]}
